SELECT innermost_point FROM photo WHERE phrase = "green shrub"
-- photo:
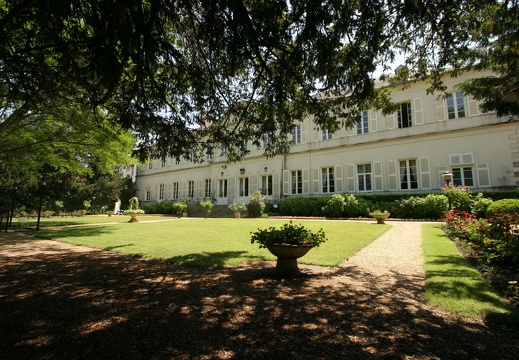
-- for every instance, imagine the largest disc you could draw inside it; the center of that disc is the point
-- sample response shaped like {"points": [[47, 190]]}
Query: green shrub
{"points": [[207, 205], [431, 206], [356, 207], [479, 205], [505, 206], [460, 197], [297, 206], [256, 205], [334, 206]]}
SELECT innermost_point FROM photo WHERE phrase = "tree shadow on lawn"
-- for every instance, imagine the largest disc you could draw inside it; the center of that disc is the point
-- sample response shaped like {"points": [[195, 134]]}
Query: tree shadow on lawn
{"points": [[79, 303]]}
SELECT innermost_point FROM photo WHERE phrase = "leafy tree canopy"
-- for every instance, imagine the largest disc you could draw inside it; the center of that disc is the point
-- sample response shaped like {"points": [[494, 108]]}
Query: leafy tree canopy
{"points": [[189, 75]]}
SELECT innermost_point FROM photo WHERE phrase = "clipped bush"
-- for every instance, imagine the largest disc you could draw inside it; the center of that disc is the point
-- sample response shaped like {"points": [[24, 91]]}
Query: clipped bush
{"points": [[207, 205], [505, 206], [356, 207], [334, 206], [297, 206], [431, 206], [480, 205], [256, 205]]}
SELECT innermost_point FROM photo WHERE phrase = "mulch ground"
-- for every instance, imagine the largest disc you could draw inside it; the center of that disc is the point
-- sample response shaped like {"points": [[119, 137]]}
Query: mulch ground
{"points": [[64, 302]]}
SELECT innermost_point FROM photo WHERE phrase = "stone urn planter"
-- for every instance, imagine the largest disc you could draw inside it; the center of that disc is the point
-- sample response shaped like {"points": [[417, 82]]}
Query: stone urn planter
{"points": [[288, 243], [287, 256], [237, 215], [134, 210], [380, 216]]}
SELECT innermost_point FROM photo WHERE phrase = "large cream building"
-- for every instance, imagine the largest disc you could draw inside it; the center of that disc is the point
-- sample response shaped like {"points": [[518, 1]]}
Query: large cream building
{"points": [[407, 151]]}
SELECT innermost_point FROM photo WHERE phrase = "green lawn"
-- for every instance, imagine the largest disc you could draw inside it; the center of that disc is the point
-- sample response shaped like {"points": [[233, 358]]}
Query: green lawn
{"points": [[453, 284], [213, 243]]}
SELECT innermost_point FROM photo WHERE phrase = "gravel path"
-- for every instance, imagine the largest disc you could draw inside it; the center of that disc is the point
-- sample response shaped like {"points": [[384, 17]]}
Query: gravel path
{"points": [[59, 301]]}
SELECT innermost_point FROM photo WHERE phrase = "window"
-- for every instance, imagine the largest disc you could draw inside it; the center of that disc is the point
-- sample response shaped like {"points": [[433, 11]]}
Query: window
{"points": [[150, 166], [223, 150], [463, 176], [244, 186], [296, 135], [266, 141], [266, 184], [244, 147], [177, 161], [405, 118], [456, 107], [328, 181], [148, 193], [326, 135], [363, 125], [163, 163], [175, 190], [364, 177], [207, 191], [297, 182], [191, 189], [408, 175], [222, 188], [209, 155], [161, 191]]}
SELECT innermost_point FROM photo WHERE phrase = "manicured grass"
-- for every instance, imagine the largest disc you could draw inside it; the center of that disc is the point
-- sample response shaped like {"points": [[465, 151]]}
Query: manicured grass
{"points": [[213, 243], [81, 220], [453, 284]]}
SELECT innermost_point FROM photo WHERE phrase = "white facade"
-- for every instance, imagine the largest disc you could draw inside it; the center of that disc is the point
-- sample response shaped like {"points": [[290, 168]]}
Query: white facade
{"points": [[404, 152]]}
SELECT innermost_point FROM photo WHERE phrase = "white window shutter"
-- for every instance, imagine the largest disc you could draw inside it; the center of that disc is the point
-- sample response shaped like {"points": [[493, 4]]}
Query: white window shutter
{"points": [[473, 106], [231, 186], [454, 159], [467, 158], [440, 108], [373, 121], [418, 111], [254, 181], [425, 173], [169, 191], [390, 121], [392, 175], [306, 181], [276, 185], [201, 189], [286, 182], [350, 178], [483, 174], [156, 194], [338, 179], [315, 181], [304, 133], [377, 176]]}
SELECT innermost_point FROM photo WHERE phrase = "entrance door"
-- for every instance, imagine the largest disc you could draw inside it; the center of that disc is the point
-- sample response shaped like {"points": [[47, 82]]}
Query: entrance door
{"points": [[222, 192]]}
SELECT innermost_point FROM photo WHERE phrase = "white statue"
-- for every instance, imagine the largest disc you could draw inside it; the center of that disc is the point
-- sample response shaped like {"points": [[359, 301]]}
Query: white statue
{"points": [[117, 208]]}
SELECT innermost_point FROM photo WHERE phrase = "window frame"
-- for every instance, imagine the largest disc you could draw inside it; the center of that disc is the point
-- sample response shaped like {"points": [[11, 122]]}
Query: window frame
{"points": [[327, 180], [407, 122]]}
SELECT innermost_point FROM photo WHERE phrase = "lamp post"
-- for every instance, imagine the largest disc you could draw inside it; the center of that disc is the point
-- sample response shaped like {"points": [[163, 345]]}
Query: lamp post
{"points": [[447, 176], [39, 208]]}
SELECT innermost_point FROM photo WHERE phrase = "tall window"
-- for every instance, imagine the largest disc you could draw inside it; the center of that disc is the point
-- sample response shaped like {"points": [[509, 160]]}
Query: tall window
{"points": [[266, 141], [326, 134], [150, 166], [405, 118], [163, 163], [148, 193], [207, 191], [266, 184], [175, 190], [456, 106], [223, 150], [177, 161], [244, 147], [191, 188], [463, 176], [328, 180], [161, 191], [363, 125], [364, 177], [408, 175], [296, 134], [222, 188], [297, 182], [244, 186]]}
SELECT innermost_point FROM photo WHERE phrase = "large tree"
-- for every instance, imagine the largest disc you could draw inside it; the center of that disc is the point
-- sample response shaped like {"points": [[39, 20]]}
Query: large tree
{"points": [[189, 75]]}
